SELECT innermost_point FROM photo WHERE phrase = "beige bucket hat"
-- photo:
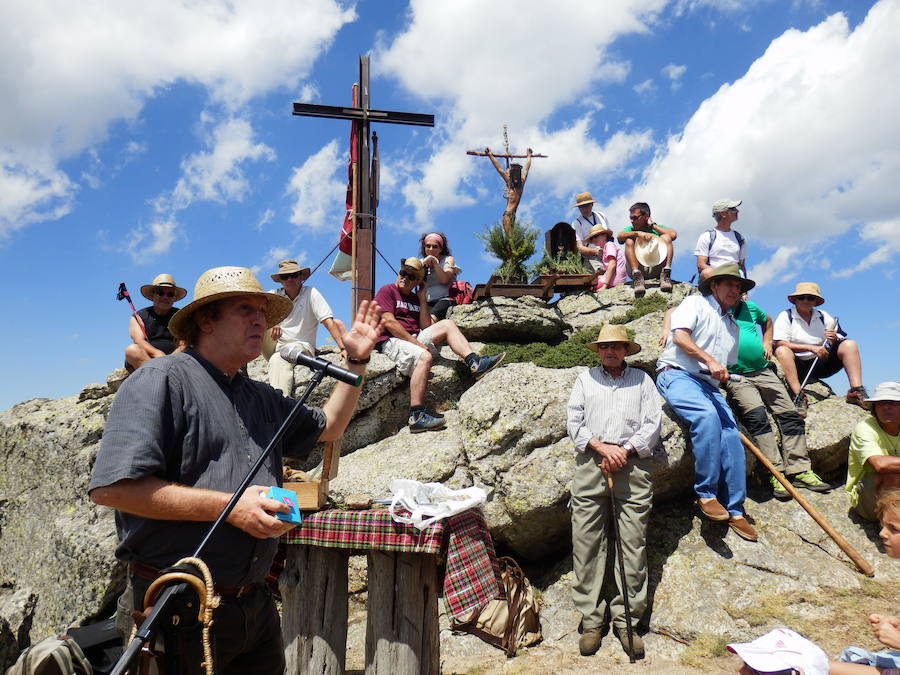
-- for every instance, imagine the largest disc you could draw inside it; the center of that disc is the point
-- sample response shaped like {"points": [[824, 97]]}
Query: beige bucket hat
{"points": [[726, 271], [583, 198], [163, 281], [598, 229], [807, 288], [415, 266], [288, 267], [649, 253], [614, 333], [227, 282], [886, 391]]}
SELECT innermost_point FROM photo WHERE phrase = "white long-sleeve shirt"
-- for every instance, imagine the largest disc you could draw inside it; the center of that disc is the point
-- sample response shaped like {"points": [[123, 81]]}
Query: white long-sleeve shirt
{"points": [[625, 410]]}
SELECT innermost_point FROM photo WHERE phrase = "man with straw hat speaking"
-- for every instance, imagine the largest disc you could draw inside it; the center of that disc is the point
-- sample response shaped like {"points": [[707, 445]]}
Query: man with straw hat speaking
{"points": [[614, 419], [702, 344], [181, 435], [149, 331]]}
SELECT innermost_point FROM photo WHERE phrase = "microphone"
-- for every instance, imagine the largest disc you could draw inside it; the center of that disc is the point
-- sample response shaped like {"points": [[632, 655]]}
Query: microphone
{"points": [[293, 354]]}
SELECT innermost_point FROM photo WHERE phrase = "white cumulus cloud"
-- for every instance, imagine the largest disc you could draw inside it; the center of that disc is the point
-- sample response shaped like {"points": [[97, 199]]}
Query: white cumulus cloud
{"points": [[319, 189]]}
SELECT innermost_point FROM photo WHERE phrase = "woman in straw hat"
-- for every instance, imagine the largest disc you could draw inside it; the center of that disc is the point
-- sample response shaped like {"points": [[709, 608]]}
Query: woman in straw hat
{"points": [[149, 331], [800, 336]]}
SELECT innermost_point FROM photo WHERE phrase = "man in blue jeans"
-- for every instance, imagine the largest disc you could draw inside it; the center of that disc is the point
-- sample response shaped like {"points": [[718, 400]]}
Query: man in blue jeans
{"points": [[702, 344]]}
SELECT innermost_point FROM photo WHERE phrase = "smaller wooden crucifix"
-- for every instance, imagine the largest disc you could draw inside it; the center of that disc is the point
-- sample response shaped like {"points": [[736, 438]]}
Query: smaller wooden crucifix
{"points": [[514, 176]]}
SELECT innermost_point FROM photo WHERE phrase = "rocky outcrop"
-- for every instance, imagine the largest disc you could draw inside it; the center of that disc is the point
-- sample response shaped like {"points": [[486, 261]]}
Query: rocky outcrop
{"points": [[526, 319]]}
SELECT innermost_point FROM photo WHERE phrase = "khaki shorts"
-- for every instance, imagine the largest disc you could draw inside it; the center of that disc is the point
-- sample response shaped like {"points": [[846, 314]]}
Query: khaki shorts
{"points": [[406, 354]]}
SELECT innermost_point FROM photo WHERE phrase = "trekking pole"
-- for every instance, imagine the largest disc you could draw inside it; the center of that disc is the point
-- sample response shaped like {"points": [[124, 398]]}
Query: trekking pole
{"points": [[123, 295], [145, 632], [621, 556], [813, 366], [861, 564]]}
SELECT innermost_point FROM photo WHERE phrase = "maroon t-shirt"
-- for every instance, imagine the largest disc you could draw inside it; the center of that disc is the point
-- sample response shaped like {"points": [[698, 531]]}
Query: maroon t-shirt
{"points": [[404, 306]]}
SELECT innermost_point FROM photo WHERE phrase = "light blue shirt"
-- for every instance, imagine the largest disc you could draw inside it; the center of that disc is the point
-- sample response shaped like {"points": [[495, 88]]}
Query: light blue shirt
{"points": [[713, 330]]}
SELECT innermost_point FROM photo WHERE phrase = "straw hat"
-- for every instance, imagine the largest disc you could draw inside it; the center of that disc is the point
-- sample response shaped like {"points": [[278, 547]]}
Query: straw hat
{"points": [[614, 333], [598, 229], [649, 253], [583, 198], [726, 271], [415, 266], [288, 267], [227, 282], [886, 391], [807, 288], [163, 281]]}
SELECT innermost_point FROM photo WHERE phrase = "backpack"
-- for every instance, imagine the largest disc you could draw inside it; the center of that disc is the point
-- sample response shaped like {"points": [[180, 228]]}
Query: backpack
{"points": [[712, 238], [511, 623], [461, 292], [52, 656]]}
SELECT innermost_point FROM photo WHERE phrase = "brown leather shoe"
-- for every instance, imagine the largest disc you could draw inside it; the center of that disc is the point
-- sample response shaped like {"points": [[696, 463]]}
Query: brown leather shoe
{"points": [[742, 528], [622, 633], [589, 642], [712, 509]]}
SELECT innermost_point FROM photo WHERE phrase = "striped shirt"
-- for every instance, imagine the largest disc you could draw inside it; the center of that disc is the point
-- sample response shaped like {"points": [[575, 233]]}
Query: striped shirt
{"points": [[624, 410]]}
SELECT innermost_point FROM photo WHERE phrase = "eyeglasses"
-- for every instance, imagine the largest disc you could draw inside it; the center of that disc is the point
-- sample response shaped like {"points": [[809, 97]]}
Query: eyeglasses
{"points": [[608, 345], [810, 298], [432, 245], [406, 275], [165, 294], [636, 217], [733, 208], [292, 275]]}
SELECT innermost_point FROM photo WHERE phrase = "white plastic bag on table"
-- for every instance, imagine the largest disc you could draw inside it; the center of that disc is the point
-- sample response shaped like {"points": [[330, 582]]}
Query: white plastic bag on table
{"points": [[428, 503]]}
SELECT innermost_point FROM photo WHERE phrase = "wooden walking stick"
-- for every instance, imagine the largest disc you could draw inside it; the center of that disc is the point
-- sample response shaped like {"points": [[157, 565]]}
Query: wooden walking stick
{"points": [[621, 556], [861, 564]]}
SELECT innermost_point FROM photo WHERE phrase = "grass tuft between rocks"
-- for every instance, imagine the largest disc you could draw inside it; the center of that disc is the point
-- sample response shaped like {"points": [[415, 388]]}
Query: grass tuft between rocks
{"points": [[568, 354]]}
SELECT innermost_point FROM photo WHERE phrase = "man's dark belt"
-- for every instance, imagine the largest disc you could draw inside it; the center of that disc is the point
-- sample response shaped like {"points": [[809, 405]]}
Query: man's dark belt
{"points": [[150, 573], [665, 368]]}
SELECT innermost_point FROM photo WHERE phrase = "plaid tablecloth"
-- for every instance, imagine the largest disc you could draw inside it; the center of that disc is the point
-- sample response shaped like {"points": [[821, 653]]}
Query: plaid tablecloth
{"points": [[471, 576]]}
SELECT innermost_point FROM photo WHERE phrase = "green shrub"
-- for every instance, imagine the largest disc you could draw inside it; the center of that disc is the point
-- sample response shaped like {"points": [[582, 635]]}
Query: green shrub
{"points": [[646, 305], [512, 250], [567, 354], [569, 263]]}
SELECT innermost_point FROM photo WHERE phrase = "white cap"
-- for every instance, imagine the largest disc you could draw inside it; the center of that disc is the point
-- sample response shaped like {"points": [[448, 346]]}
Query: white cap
{"points": [[782, 649], [725, 204]]}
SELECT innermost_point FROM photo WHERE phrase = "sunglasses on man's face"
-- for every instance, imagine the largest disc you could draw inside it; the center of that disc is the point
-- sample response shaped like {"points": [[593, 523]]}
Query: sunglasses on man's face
{"points": [[810, 298], [406, 275], [165, 294], [292, 275]]}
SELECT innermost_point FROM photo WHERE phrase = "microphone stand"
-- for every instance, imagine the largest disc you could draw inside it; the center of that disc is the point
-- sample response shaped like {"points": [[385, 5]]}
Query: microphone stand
{"points": [[147, 629]]}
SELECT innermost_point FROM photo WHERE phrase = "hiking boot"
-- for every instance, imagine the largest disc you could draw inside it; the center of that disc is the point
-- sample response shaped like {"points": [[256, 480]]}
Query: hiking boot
{"points": [[637, 283], [622, 633], [809, 480], [486, 364], [665, 280], [801, 405], [422, 421], [778, 490], [858, 396], [589, 642]]}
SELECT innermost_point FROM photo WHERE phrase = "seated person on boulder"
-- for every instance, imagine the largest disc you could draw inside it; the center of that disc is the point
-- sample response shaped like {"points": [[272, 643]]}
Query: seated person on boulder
{"points": [[799, 336], [610, 258], [614, 419], [309, 309], [409, 336], [440, 272], [721, 244], [873, 464], [586, 220], [154, 321], [642, 228]]}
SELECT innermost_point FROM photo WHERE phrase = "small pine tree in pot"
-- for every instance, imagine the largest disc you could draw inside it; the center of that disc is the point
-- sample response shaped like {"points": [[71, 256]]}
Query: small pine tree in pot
{"points": [[512, 249]]}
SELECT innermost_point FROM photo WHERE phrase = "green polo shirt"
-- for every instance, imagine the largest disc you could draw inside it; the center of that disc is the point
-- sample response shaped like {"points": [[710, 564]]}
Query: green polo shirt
{"points": [[751, 355], [652, 230]]}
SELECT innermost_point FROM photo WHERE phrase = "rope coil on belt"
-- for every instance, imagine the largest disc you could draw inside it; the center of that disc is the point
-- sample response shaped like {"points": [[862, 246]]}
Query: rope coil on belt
{"points": [[206, 593]]}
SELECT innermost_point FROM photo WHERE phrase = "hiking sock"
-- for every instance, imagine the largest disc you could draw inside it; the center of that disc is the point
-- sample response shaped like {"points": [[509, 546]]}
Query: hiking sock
{"points": [[413, 409], [471, 359]]}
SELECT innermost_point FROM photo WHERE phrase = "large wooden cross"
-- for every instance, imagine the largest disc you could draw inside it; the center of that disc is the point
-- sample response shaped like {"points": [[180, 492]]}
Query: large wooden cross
{"points": [[365, 186]]}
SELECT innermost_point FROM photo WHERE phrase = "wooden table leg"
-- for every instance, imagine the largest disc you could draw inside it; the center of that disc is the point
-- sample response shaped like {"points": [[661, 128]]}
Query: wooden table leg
{"points": [[314, 610], [402, 617]]}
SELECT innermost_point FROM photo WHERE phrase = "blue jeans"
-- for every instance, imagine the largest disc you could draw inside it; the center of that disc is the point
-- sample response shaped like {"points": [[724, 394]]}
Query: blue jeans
{"points": [[719, 465]]}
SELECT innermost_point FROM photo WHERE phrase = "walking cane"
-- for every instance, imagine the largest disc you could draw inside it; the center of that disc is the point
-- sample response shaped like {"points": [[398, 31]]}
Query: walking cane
{"points": [[621, 556], [861, 564], [813, 366], [123, 295]]}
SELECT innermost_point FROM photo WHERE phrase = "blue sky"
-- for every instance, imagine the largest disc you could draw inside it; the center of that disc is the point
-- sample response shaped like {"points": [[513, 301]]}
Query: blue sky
{"points": [[141, 138]]}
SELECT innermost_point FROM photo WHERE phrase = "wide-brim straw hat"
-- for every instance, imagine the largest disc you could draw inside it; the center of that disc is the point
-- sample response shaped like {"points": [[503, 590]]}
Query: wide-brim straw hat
{"points": [[227, 282], [414, 265], [163, 281], [614, 333], [583, 198], [597, 230], [807, 288], [649, 253], [886, 391], [726, 271], [288, 267]]}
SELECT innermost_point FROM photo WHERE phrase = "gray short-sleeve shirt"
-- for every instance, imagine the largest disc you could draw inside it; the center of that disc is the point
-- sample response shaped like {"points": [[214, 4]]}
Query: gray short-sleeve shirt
{"points": [[178, 418]]}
